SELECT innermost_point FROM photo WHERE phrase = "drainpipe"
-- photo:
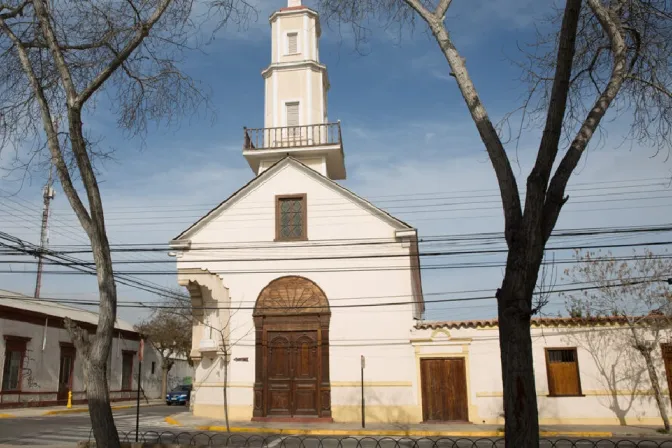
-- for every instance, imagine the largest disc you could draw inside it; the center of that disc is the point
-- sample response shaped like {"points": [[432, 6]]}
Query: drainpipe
{"points": [[44, 334]]}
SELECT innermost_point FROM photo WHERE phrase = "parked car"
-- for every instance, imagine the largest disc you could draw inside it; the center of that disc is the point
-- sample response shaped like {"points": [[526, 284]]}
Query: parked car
{"points": [[179, 395]]}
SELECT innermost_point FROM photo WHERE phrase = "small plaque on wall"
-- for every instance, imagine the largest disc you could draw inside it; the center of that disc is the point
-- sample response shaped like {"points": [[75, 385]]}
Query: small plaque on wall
{"points": [[241, 359]]}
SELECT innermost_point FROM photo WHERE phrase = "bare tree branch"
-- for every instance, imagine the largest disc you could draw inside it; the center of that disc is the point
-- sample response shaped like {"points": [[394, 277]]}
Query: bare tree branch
{"points": [[142, 32]]}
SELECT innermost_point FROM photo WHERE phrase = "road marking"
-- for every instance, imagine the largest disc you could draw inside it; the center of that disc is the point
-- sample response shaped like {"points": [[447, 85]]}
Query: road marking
{"points": [[276, 442]]}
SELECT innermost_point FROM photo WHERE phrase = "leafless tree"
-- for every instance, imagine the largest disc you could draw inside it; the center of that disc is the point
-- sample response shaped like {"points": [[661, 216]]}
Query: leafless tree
{"points": [[637, 294], [56, 59], [602, 52], [616, 361], [167, 330]]}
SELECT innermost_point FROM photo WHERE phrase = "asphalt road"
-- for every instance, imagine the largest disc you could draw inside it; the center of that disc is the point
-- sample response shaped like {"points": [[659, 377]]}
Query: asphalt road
{"points": [[71, 428], [66, 430]]}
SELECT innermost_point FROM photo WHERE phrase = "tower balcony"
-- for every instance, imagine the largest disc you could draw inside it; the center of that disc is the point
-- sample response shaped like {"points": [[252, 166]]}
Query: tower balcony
{"points": [[312, 144]]}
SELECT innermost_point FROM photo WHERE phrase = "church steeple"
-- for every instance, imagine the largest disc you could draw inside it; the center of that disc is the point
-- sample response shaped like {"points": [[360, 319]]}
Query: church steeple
{"points": [[295, 105]]}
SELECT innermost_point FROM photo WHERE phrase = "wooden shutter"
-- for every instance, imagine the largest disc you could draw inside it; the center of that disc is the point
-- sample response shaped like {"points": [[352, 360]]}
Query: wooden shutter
{"points": [[292, 114], [292, 43], [562, 367]]}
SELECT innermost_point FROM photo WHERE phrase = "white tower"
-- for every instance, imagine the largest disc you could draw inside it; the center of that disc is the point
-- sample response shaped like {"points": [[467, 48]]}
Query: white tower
{"points": [[295, 105]]}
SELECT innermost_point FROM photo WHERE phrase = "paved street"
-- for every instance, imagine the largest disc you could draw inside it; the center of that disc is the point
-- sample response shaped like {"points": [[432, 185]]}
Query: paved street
{"points": [[71, 428]]}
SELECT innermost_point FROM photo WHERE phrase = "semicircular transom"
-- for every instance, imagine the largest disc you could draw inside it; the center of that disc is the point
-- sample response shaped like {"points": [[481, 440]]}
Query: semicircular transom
{"points": [[291, 295]]}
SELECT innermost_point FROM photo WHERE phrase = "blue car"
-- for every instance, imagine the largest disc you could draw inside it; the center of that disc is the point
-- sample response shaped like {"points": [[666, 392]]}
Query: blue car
{"points": [[179, 395]]}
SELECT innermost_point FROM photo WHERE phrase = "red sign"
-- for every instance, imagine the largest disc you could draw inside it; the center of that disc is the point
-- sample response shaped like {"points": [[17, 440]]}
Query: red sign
{"points": [[142, 349]]}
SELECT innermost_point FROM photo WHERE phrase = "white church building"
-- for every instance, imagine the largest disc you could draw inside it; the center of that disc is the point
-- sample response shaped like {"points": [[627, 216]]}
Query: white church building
{"points": [[297, 282]]}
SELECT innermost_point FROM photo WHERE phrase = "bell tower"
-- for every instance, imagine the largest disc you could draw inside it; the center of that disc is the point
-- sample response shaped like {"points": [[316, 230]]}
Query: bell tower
{"points": [[295, 103]]}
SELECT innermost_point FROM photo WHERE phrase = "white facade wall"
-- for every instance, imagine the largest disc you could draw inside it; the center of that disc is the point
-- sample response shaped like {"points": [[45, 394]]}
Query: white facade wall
{"points": [[381, 334]]}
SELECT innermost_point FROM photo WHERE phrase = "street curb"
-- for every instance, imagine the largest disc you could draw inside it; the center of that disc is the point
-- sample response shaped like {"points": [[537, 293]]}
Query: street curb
{"points": [[385, 432], [171, 421], [80, 410], [7, 416]]}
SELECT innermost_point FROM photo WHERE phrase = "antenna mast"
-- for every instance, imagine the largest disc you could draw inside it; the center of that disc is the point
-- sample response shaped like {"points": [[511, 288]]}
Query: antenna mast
{"points": [[47, 196]]}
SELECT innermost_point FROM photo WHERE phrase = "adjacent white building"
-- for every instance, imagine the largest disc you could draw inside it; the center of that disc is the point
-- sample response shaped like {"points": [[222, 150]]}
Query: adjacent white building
{"points": [[297, 282], [40, 365]]}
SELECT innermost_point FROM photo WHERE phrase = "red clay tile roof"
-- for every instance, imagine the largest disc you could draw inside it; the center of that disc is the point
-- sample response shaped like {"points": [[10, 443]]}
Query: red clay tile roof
{"points": [[536, 322]]}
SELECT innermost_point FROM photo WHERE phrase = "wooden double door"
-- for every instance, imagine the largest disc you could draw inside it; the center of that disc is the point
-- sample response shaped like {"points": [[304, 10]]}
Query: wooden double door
{"points": [[65, 371], [293, 370], [444, 389]]}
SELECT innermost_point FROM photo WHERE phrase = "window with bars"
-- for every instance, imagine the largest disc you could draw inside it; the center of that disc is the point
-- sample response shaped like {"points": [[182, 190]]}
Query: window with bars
{"points": [[562, 368], [291, 218], [292, 43], [11, 376]]}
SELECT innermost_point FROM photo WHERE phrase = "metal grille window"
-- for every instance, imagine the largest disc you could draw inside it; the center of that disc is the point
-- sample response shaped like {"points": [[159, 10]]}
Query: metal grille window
{"points": [[11, 375], [291, 218], [562, 368], [292, 43]]}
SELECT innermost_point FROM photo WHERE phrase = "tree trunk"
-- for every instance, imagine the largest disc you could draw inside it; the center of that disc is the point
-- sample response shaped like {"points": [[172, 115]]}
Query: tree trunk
{"points": [[226, 385], [164, 379], [655, 385], [97, 393], [514, 299]]}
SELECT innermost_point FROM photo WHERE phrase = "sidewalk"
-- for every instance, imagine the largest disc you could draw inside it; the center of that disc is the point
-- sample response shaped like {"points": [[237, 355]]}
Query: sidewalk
{"points": [[186, 419], [59, 410]]}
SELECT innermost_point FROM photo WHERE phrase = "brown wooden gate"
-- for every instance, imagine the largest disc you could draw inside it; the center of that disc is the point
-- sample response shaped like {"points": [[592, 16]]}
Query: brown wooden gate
{"points": [[292, 351], [444, 389], [65, 371], [292, 373]]}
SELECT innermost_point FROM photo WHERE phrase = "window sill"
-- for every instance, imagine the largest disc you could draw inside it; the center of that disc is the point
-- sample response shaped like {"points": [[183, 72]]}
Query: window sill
{"points": [[564, 396], [290, 240], [292, 54]]}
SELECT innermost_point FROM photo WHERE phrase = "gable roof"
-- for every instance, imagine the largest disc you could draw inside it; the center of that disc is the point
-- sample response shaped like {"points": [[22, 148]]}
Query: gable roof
{"points": [[50, 308], [277, 166]]}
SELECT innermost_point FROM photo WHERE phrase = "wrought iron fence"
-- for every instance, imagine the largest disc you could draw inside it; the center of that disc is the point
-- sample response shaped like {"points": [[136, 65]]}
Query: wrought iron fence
{"points": [[281, 441], [293, 136]]}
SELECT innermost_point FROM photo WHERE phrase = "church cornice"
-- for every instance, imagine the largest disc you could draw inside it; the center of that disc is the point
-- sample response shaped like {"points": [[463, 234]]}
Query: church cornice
{"points": [[290, 11], [296, 10], [281, 66]]}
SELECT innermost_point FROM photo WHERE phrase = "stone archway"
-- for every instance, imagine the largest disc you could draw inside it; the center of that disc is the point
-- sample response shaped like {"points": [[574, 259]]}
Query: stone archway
{"points": [[291, 320]]}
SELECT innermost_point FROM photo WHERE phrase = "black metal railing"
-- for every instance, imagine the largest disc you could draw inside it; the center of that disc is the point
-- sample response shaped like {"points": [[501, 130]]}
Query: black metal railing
{"points": [[209, 439], [293, 136]]}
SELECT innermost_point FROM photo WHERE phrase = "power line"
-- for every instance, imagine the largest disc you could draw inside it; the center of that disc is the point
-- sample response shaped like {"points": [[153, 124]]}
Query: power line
{"points": [[661, 181], [375, 256], [356, 305], [267, 215], [348, 242]]}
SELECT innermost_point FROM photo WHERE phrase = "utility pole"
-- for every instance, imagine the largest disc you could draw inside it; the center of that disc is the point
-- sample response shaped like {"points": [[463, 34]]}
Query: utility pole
{"points": [[47, 196]]}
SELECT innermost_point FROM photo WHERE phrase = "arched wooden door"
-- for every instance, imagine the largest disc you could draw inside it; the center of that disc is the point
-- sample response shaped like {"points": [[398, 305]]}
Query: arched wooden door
{"points": [[292, 351]]}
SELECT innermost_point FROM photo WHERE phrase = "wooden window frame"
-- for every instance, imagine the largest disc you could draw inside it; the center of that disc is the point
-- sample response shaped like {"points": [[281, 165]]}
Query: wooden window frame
{"points": [[548, 372], [304, 200], [126, 353], [15, 344], [67, 348]]}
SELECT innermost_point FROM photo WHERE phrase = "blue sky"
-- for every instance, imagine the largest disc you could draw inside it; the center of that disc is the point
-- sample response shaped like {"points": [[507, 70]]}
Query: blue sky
{"points": [[405, 127]]}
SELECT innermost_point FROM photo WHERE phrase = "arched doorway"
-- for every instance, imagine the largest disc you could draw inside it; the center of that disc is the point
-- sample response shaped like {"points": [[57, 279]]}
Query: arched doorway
{"points": [[291, 320]]}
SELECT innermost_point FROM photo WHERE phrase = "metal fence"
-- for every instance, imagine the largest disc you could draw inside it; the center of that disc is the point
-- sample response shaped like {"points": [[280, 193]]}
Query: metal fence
{"points": [[280, 441]]}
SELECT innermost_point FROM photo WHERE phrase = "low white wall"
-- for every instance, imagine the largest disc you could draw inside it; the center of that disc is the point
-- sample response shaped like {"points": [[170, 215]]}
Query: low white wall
{"points": [[623, 398]]}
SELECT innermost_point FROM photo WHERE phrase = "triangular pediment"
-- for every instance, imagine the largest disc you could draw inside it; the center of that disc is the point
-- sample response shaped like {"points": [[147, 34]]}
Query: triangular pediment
{"points": [[239, 195]]}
